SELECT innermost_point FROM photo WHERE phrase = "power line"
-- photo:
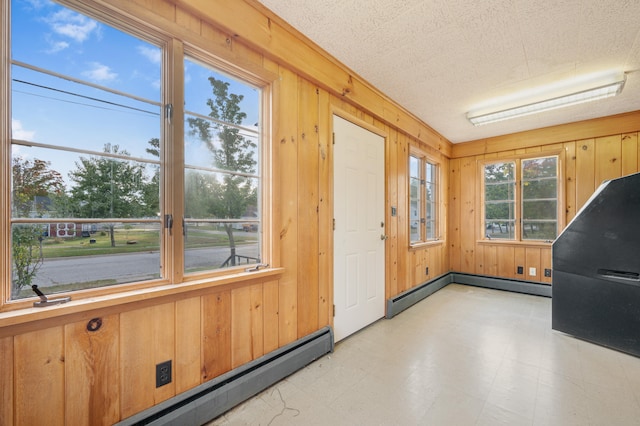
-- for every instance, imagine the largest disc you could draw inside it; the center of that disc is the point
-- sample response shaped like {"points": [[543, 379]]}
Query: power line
{"points": [[85, 97]]}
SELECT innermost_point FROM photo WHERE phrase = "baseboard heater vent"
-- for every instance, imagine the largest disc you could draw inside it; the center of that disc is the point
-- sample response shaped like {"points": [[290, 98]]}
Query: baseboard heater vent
{"points": [[209, 400], [411, 297], [507, 284]]}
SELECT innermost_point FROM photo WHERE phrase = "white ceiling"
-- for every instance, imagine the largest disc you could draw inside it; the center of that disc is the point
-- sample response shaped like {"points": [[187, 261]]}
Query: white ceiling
{"points": [[440, 59]]}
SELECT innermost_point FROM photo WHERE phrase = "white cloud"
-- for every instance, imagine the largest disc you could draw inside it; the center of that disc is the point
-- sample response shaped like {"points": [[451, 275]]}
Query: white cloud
{"points": [[152, 54], [17, 132], [56, 46], [71, 24], [39, 4], [100, 73]]}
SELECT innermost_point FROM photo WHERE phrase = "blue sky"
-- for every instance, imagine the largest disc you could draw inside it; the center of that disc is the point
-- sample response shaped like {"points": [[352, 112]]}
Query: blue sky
{"points": [[56, 111]]}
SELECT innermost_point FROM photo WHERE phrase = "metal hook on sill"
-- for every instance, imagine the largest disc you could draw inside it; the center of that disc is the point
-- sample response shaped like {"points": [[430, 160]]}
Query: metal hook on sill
{"points": [[257, 267], [46, 302]]}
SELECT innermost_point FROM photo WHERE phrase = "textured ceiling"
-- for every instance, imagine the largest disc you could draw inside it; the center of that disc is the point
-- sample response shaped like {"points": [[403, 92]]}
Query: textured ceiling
{"points": [[440, 59]]}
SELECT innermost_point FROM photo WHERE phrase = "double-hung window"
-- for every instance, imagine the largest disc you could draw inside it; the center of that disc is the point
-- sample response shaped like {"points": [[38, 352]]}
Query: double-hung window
{"points": [[108, 184], [423, 198], [521, 199]]}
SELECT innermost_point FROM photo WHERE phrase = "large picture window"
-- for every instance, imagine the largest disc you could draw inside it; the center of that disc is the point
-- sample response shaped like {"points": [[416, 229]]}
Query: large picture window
{"points": [[521, 199], [423, 199], [222, 181], [93, 151]]}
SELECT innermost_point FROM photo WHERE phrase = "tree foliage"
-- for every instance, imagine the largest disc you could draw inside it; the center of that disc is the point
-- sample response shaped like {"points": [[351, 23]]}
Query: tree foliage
{"points": [[34, 183], [230, 194], [107, 187]]}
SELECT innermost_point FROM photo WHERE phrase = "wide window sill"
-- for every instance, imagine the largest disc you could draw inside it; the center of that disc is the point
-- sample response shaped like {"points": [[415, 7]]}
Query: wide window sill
{"points": [[129, 300], [532, 243], [426, 244]]}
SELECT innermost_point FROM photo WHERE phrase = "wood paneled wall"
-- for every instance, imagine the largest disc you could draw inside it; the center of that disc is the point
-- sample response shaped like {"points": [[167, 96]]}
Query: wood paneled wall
{"points": [[58, 372], [610, 151]]}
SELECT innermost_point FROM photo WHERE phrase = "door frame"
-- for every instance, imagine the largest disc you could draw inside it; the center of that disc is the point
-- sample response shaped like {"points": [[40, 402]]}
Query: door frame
{"points": [[335, 111]]}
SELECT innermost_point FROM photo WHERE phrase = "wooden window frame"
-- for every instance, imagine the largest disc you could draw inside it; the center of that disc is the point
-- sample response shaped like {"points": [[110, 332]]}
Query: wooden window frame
{"points": [[424, 158], [518, 159], [173, 40]]}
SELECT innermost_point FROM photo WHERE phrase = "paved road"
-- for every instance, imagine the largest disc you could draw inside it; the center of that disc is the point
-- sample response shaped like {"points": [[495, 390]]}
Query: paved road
{"points": [[127, 267]]}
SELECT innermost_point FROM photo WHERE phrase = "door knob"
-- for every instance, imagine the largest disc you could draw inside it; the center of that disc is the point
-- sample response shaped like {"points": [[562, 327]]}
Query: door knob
{"points": [[383, 237]]}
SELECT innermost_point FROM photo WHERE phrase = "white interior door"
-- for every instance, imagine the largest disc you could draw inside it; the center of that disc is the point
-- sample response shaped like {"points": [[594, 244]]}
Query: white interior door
{"points": [[359, 247]]}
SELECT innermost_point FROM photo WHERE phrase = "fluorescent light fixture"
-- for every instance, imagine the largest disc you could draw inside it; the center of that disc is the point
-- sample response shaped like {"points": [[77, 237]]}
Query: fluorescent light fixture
{"points": [[599, 90]]}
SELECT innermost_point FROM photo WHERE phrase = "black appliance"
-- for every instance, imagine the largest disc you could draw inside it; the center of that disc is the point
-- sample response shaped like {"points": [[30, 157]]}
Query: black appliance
{"points": [[596, 269]]}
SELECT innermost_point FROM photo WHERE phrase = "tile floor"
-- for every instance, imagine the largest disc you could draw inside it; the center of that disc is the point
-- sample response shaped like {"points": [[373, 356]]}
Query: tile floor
{"points": [[463, 356]]}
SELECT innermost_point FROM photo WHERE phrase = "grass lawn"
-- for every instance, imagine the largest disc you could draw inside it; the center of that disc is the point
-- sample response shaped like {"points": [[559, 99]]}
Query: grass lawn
{"points": [[135, 240]]}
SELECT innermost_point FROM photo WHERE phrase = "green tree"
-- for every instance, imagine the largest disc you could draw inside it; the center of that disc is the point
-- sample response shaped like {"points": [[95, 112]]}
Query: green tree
{"points": [[106, 187], [34, 184], [232, 152]]}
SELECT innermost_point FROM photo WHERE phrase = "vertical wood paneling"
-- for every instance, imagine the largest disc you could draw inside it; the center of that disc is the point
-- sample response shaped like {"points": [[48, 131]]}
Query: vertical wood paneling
{"points": [[403, 213], [479, 258], [468, 175], [39, 377], [454, 235], [136, 341], [585, 165], [325, 212], [519, 259], [6, 381], [270, 299], [392, 248], [491, 260], [570, 181], [307, 208], [241, 339], [532, 260], [285, 134], [630, 154], [247, 333], [216, 334], [91, 379], [506, 262], [188, 343], [164, 340], [608, 161], [545, 263], [147, 337]]}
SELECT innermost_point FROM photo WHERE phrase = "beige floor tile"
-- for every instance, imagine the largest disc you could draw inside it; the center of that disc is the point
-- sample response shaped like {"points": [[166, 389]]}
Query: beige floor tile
{"points": [[463, 356]]}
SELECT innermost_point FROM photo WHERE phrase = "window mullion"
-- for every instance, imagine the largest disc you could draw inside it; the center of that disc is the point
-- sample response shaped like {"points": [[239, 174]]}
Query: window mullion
{"points": [[173, 160], [5, 154]]}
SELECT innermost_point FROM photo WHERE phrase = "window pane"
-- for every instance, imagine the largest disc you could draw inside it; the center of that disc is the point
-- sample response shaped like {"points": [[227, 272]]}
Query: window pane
{"points": [[539, 210], [499, 172], [61, 256], [539, 198], [85, 152], [540, 189], [415, 215], [499, 195], [207, 245], [502, 229], [539, 168], [222, 179], [414, 167], [536, 230], [414, 226]]}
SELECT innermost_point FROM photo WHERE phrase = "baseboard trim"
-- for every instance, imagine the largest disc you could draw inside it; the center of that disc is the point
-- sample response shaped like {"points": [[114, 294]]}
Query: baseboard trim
{"points": [[212, 399], [405, 300]]}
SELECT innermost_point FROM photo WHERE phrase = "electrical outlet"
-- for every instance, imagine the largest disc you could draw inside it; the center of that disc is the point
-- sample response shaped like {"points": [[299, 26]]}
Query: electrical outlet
{"points": [[163, 373], [547, 272], [426, 271], [532, 272], [520, 270]]}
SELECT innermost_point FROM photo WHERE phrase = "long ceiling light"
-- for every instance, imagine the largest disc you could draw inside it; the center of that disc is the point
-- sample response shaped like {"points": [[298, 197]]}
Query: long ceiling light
{"points": [[598, 91]]}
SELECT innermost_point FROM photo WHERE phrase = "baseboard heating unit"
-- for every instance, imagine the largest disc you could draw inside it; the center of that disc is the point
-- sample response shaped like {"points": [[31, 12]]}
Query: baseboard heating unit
{"points": [[410, 297], [211, 399]]}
